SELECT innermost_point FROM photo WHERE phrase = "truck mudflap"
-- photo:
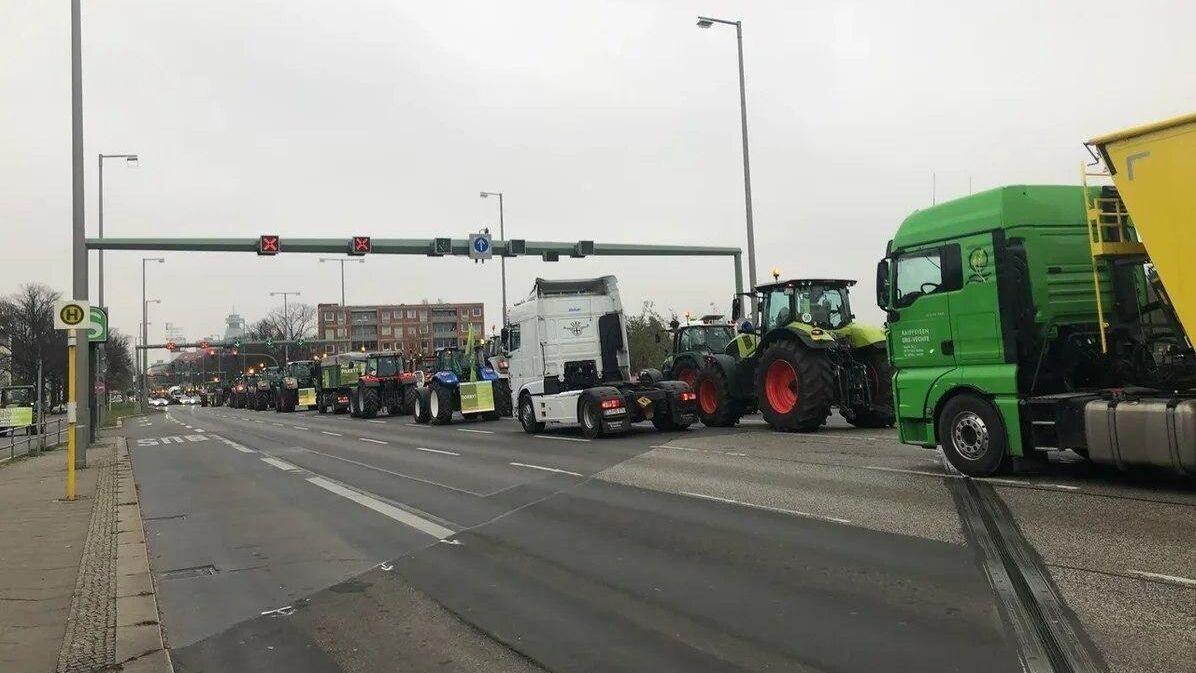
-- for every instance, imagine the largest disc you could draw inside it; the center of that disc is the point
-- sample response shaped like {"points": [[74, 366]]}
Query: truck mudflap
{"points": [[1154, 431]]}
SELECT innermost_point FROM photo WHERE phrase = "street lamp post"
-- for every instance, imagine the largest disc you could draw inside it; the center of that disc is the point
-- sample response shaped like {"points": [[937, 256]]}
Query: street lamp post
{"points": [[286, 319], [502, 235], [342, 261], [706, 22], [144, 327], [130, 159]]}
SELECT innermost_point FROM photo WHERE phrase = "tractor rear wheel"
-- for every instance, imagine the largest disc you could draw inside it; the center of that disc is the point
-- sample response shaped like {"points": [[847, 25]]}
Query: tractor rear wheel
{"points": [[794, 387], [880, 383], [502, 397], [370, 402], [717, 406], [441, 405], [686, 371], [322, 405], [354, 404], [408, 396], [423, 411]]}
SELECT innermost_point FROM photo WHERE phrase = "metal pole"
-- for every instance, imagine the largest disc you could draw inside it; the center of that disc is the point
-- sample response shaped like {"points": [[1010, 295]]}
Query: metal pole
{"points": [[502, 260], [286, 320], [144, 340], [747, 171], [342, 282], [78, 375], [100, 197], [41, 409], [71, 437]]}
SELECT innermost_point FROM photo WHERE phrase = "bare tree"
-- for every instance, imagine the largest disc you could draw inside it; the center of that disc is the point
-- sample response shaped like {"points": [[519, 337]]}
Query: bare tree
{"points": [[27, 322]]}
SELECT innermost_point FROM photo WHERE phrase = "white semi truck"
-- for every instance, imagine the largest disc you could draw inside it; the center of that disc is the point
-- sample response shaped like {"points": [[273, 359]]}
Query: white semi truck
{"points": [[568, 364]]}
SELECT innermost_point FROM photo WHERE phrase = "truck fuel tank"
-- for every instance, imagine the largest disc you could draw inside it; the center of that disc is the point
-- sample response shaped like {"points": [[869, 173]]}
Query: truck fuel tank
{"points": [[1153, 431]]}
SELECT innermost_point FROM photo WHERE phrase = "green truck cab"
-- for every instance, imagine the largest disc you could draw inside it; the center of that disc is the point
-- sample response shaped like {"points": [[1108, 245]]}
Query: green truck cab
{"points": [[993, 328]]}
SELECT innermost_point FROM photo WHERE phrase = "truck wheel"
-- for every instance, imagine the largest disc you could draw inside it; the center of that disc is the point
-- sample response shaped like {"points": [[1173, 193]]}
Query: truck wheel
{"points": [[590, 416], [527, 416], [409, 396], [880, 380], [794, 387], [422, 411], [665, 423], [369, 402], [441, 405], [973, 436], [717, 407], [502, 397]]}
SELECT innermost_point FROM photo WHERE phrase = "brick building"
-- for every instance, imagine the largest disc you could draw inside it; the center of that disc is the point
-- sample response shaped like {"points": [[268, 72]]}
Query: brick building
{"points": [[410, 328]]}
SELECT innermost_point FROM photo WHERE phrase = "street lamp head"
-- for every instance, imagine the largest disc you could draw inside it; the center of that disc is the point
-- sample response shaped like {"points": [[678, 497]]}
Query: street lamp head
{"points": [[704, 22], [131, 159], [485, 194]]}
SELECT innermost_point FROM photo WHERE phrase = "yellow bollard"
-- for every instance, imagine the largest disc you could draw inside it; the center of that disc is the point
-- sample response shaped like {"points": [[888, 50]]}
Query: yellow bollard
{"points": [[70, 409]]}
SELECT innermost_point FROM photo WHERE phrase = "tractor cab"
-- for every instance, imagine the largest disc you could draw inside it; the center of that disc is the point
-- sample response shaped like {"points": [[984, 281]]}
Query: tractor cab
{"points": [[818, 302], [692, 340]]}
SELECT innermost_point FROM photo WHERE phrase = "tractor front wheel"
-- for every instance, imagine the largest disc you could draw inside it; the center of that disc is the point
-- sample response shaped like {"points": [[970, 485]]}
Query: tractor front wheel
{"points": [[423, 405], [794, 387], [717, 406]]}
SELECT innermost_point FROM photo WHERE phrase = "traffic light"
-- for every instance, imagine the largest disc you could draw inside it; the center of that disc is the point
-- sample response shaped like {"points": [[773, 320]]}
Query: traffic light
{"points": [[268, 244], [360, 245], [212, 352], [269, 342], [299, 341], [203, 344], [236, 351], [170, 346], [236, 343]]}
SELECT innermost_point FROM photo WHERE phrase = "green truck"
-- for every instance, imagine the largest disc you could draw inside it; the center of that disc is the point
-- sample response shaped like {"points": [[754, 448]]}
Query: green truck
{"points": [[338, 381], [1000, 355]]}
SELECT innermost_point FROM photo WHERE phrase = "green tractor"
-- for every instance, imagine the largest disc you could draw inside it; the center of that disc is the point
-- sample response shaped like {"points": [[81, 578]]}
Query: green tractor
{"points": [[238, 397], [297, 387], [261, 396], [806, 356], [692, 341]]}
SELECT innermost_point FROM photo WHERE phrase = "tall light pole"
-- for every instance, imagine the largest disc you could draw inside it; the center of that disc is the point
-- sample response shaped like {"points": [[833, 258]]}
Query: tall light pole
{"points": [[79, 406], [145, 328], [342, 260], [502, 235], [706, 22], [130, 159], [286, 319]]}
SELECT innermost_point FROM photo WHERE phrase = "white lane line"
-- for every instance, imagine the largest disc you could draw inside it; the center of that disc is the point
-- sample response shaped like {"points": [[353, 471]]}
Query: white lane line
{"points": [[753, 505], [480, 432], [241, 448], [187, 426], [1018, 482], [278, 424], [280, 464], [373, 421], [375, 441], [1173, 579], [383, 470], [734, 453], [447, 453], [257, 421], [678, 448], [386, 509], [299, 427], [546, 469], [199, 430], [334, 434], [561, 439]]}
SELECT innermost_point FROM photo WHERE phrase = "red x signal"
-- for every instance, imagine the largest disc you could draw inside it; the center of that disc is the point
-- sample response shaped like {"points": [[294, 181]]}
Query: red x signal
{"points": [[360, 245], [170, 346], [203, 344], [268, 245]]}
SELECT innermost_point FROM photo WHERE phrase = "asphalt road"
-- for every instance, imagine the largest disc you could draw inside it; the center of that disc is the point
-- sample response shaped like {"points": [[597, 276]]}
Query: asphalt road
{"points": [[306, 542]]}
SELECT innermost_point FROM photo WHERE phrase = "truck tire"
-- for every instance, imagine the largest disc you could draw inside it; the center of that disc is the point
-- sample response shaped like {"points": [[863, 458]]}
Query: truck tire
{"points": [[651, 375], [263, 400], [972, 435], [666, 422], [280, 402], [409, 396], [880, 380], [422, 411], [440, 405], [502, 397], [370, 402], [794, 387], [527, 416], [589, 414], [717, 406]]}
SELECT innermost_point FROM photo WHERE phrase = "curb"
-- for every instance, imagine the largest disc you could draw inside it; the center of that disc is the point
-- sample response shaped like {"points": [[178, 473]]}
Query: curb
{"points": [[139, 643]]}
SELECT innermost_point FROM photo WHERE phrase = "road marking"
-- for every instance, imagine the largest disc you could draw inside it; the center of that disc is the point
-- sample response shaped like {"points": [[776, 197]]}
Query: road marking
{"points": [[753, 505], [546, 469], [257, 421], [299, 427], [199, 430], [280, 464], [401, 475], [1173, 579], [447, 453], [241, 448], [187, 426], [386, 509], [735, 453], [373, 421], [678, 448], [278, 424], [375, 441], [480, 432], [1019, 482], [334, 434], [561, 439]]}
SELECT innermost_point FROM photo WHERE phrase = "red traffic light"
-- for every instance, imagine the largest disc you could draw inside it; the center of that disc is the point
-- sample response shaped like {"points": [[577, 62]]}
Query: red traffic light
{"points": [[170, 346], [211, 352], [360, 245], [268, 244]]}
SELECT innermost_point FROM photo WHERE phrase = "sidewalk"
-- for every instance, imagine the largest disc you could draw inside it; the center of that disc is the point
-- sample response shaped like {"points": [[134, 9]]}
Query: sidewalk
{"points": [[66, 568]]}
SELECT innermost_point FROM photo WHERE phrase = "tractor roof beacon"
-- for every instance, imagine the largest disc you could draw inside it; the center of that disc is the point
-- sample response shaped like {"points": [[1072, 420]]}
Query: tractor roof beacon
{"points": [[569, 363]]}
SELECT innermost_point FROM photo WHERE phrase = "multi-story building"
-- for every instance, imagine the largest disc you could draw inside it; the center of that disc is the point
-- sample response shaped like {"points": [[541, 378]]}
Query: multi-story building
{"points": [[411, 328]]}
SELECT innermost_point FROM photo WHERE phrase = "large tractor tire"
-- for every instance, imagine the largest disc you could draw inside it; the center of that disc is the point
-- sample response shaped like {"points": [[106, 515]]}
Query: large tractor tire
{"points": [[423, 405], [686, 370], [502, 397], [409, 396], [263, 401], [795, 387], [717, 405], [322, 405], [440, 405], [354, 404], [370, 402], [527, 416], [880, 382], [973, 436]]}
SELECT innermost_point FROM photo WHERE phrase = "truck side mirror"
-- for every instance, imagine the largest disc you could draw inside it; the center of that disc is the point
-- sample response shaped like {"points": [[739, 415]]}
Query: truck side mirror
{"points": [[505, 337], [882, 283]]}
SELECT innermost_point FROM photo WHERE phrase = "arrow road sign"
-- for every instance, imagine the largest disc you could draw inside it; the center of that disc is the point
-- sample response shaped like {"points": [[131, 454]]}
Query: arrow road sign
{"points": [[479, 246]]}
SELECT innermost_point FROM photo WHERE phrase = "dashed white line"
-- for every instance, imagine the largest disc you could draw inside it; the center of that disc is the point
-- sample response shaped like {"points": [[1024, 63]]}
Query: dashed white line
{"points": [[753, 505], [447, 453], [561, 439], [278, 424], [386, 509], [257, 421], [1173, 579], [280, 464], [334, 434], [299, 427], [373, 421], [675, 448], [199, 430], [242, 449], [546, 469], [480, 432], [374, 441]]}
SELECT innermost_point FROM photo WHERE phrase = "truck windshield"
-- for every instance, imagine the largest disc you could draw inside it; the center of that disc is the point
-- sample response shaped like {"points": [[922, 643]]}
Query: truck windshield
{"points": [[713, 338]]}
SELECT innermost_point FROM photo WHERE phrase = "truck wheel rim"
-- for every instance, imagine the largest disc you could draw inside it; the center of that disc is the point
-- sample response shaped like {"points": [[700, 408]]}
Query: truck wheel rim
{"points": [[708, 397], [970, 435], [780, 386], [688, 375], [587, 418]]}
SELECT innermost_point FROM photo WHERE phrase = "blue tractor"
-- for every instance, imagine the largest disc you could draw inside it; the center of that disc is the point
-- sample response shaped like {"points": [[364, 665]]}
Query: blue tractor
{"points": [[460, 382]]}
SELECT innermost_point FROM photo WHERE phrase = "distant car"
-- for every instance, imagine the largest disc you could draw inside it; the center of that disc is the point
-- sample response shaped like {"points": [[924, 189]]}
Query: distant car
{"points": [[158, 402], [189, 399]]}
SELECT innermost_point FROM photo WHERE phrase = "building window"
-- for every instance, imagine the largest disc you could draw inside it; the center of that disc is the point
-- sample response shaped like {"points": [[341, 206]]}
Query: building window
{"points": [[477, 311], [411, 314], [340, 318], [340, 333], [329, 316], [423, 329]]}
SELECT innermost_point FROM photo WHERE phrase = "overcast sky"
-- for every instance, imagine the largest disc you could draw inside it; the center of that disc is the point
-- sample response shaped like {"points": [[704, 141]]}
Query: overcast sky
{"points": [[611, 121]]}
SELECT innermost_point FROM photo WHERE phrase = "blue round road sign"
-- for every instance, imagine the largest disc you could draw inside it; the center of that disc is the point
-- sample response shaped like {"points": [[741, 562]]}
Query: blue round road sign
{"points": [[481, 244]]}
